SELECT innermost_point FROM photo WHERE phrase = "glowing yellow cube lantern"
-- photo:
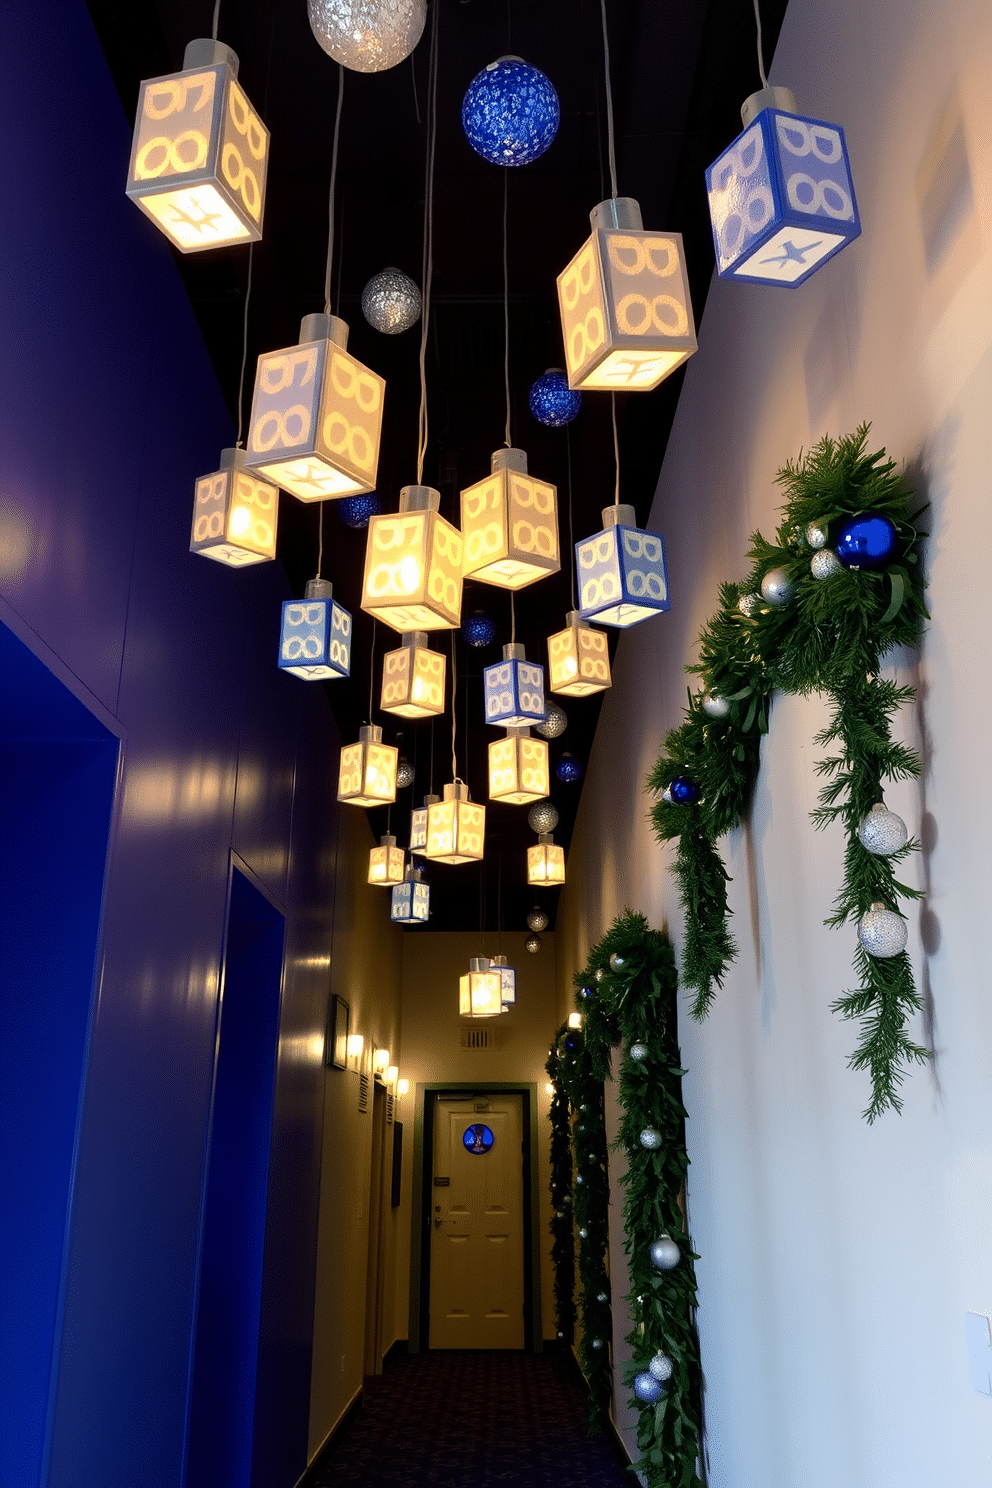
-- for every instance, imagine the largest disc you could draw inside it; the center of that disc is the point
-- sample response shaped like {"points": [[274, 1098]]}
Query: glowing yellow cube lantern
{"points": [[418, 826], [510, 525], [545, 861], [200, 153], [479, 992], [234, 514], [386, 863], [316, 415], [518, 768], [507, 980], [578, 658], [367, 776], [413, 678], [625, 310], [413, 565], [456, 827]]}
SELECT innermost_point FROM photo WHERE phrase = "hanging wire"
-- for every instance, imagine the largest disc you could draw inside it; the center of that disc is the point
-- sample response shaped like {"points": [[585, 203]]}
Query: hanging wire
{"points": [[244, 345], [413, 75], [571, 535], [609, 103], [513, 617], [427, 264], [761, 60], [499, 903], [371, 668], [506, 308], [330, 197], [320, 543], [431, 781], [454, 711], [216, 20], [616, 449]]}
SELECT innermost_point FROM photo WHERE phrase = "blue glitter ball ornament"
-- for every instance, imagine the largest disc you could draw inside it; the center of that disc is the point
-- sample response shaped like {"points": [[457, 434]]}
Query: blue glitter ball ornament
{"points": [[479, 629], [355, 511], [684, 792], [570, 1042], [866, 541], [647, 1388], [510, 112], [568, 769], [552, 401]]}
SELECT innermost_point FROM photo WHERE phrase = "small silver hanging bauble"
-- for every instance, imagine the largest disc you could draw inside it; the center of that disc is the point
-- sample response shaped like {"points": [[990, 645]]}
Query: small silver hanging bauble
{"points": [[597, 1343], [391, 302], [583, 1233], [776, 587], [617, 961], [665, 1253], [748, 604], [638, 1052], [650, 1138], [600, 973], [542, 817], [824, 564], [816, 536], [882, 832], [715, 706], [882, 932], [661, 1367], [579, 1178], [666, 795], [602, 1297]]}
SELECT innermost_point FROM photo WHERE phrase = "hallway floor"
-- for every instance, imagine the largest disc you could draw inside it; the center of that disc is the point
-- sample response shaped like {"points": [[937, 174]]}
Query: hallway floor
{"points": [[480, 1419]]}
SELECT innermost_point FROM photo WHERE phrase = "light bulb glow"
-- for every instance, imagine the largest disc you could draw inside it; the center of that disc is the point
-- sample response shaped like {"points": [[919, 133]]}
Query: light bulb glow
{"points": [[234, 515]]}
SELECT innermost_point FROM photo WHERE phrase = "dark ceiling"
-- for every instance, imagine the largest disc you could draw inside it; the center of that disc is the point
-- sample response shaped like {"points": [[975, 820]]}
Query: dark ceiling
{"points": [[680, 71]]}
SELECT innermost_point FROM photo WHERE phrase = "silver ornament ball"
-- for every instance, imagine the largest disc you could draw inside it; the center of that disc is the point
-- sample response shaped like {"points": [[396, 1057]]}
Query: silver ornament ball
{"points": [[404, 774], [597, 1343], [647, 1388], [391, 302], [824, 564], [776, 587], [748, 604], [600, 973], [661, 1367], [579, 1178], [537, 919], [650, 1138], [882, 832], [666, 795], [665, 1253], [555, 723], [882, 932], [542, 817], [367, 35], [816, 535], [715, 706], [532, 944], [617, 962], [638, 1052], [583, 1233], [602, 1297]]}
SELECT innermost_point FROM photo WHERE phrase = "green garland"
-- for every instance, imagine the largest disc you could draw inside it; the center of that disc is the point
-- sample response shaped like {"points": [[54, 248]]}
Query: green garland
{"points": [[562, 1230], [829, 637]]}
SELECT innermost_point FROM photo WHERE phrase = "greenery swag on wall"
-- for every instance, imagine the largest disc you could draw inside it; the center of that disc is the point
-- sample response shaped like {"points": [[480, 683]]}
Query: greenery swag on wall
{"points": [[815, 614]]}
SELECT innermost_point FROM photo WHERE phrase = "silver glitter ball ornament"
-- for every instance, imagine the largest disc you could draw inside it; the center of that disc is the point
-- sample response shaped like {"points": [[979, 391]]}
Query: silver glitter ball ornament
{"points": [[597, 1343], [882, 832], [532, 944], [579, 1178], [583, 1233], [602, 1297], [748, 604], [638, 1052], [537, 919], [542, 817], [555, 723], [404, 774], [666, 795], [647, 1388], [600, 973], [665, 1253], [617, 962], [391, 302], [816, 536], [776, 587], [367, 35], [661, 1367], [650, 1138], [824, 564], [882, 932], [715, 706]]}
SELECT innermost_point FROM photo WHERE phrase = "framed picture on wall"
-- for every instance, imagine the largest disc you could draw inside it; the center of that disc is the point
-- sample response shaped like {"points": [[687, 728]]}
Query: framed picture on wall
{"points": [[336, 1045]]}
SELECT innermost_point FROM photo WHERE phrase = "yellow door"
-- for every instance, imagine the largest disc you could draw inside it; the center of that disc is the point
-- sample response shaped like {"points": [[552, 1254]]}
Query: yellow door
{"points": [[477, 1233]]}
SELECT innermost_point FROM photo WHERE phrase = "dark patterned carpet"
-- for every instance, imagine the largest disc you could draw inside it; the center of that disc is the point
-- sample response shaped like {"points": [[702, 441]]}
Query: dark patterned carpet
{"points": [[471, 1420]]}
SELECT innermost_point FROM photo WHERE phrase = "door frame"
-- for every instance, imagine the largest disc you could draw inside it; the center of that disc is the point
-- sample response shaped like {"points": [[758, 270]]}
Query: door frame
{"points": [[423, 1189]]}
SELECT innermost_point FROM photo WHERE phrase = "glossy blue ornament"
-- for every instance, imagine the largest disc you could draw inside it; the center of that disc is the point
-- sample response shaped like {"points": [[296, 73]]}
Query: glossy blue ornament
{"points": [[866, 541], [568, 769], [571, 1042], [684, 792], [552, 401], [479, 629], [510, 112], [647, 1388], [355, 511]]}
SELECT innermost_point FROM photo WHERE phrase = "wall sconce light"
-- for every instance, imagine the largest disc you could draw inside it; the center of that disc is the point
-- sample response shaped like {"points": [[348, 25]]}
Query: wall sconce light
{"points": [[575, 1020], [781, 197], [549, 1089], [545, 861], [507, 980], [413, 565], [510, 525], [235, 514], [316, 415], [356, 1046], [621, 571], [625, 310], [514, 689], [200, 153], [367, 775], [479, 994], [380, 1063], [413, 678], [456, 827], [386, 863], [402, 1086], [578, 658], [315, 639], [391, 1074], [418, 825], [411, 899], [518, 768]]}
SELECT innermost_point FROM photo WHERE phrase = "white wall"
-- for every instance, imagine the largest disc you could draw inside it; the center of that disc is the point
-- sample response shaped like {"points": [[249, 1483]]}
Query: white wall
{"points": [[838, 1261]]}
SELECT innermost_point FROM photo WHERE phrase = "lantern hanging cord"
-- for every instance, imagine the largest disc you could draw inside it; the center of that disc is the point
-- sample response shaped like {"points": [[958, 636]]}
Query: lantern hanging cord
{"points": [[513, 617], [244, 348], [454, 711], [371, 668], [431, 783], [761, 60], [571, 536], [616, 449], [320, 543], [427, 262], [609, 104], [216, 20], [506, 307], [330, 198]]}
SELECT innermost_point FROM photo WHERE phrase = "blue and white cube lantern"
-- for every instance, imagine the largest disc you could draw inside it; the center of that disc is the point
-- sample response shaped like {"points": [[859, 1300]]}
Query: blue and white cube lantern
{"points": [[514, 690], [621, 571], [411, 900], [315, 641], [418, 825], [781, 196]]}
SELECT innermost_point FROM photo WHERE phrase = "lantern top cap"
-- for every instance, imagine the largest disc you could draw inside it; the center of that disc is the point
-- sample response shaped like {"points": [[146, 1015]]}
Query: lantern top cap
{"points": [[413, 638], [411, 873], [320, 327], [388, 840], [574, 617], [479, 963], [455, 790], [370, 733], [509, 459], [514, 651], [518, 730], [617, 211], [431, 800], [499, 960], [318, 589], [545, 838], [491, 66], [619, 515], [232, 459], [205, 52], [419, 498], [765, 98], [554, 372]]}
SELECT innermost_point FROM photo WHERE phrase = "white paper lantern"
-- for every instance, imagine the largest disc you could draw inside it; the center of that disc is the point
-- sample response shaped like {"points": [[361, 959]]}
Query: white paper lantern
{"points": [[510, 525], [235, 514], [479, 991], [545, 862], [387, 863], [578, 658], [367, 35], [456, 827], [413, 565], [518, 768], [367, 774], [413, 678]]}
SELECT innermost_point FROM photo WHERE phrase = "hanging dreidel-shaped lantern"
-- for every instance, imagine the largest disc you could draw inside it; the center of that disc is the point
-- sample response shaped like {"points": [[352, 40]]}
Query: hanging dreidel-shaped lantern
{"points": [[413, 678], [479, 991], [781, 197], [200, 153], [626, 315], [518, 768], [545, 862], [456, 827], [507, 980], [316, 415], [413, 565], [411, 902], [418, 825], [387, 863], [621, 571], [315, 639], [510, 525], [578, 658], [235, 514], [367, 774], [514, 689]]}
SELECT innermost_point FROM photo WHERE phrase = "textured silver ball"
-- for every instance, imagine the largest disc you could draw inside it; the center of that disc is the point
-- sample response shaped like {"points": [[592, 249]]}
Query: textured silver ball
{"points": [[776, 587], [715, 706], [647, 1388], [597, 1343], [583, 1233], [542, 817], [367, 35], [661, 1367], [579, 1178], [650, 1138], [602, 1297], [824, 564], [816, 536], [617, 962], [404, 774], [748, 604], [537, 919], [391, 302], [665, 1253], [600, 973], [532, 944], [882, 932], [555, 723], [882, 832], [666, 795], [638, 1052]]}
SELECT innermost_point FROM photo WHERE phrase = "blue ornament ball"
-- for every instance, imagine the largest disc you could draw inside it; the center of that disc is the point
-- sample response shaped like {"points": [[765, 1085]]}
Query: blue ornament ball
{"points": [[569, 769], [866, 541], [479, 629], [647, 1388], [355, 511], [684, 792], [510, 112], [552, 401]]}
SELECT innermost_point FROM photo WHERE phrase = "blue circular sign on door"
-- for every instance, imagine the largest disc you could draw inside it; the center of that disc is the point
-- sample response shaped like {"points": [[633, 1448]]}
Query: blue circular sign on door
{"points": [[478, 1138]]}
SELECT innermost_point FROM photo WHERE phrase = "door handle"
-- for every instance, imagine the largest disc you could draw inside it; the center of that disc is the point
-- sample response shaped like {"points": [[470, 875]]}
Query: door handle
{"points": [[438, 1221]]}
